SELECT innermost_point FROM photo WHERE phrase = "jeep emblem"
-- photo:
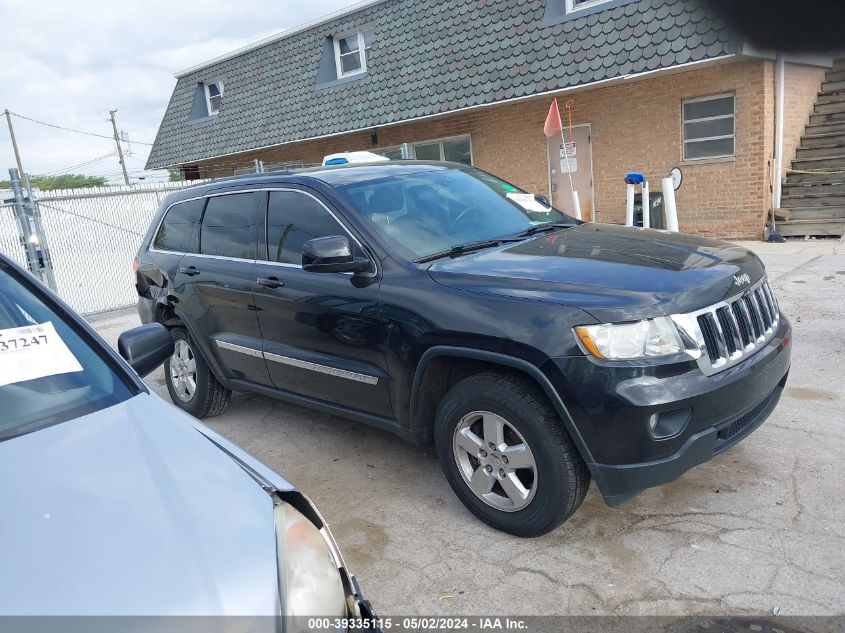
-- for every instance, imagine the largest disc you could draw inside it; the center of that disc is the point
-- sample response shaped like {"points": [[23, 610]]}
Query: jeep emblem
{"points": [[742, 279]]}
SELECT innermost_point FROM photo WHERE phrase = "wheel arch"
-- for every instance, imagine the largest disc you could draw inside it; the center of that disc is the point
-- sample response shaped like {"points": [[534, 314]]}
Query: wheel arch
{"points": [[431, 381], [174, 317]]}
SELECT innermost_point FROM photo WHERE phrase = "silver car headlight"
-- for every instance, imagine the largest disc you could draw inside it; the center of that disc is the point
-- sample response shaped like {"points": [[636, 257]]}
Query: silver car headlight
{"points": [[650, 338], [312, 582]]}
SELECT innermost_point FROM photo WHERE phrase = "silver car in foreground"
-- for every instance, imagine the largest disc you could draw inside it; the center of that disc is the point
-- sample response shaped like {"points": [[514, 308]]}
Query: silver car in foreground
{"points": [[114, 502]]}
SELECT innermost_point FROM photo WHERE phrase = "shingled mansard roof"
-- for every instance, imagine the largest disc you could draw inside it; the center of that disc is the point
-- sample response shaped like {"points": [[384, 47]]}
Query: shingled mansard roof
{"points": [[428, 57]]}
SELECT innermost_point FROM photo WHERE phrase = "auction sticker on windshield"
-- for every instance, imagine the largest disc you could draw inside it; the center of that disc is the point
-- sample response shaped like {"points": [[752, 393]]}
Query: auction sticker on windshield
{"points": [[34, 351], [528, 202]]}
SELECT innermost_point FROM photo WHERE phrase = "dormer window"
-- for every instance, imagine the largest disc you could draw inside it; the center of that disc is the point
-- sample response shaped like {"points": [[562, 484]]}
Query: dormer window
{"points": [[351, 52], [577, 5], [213, 97]]}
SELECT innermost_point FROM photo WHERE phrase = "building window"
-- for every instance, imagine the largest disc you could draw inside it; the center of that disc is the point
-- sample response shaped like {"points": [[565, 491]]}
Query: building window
{"points": [[709, 127], [457, 149], [213, 97], [352, 51], [577, 5]]}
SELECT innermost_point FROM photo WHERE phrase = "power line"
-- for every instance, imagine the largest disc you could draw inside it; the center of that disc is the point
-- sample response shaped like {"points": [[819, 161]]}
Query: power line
{"points": [[85, 217], [85, 164], [68, 129]]}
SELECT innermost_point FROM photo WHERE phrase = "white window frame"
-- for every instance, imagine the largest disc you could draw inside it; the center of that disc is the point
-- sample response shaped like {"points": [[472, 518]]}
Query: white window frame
{"points": [[205, 85], [362, 55], [571, 7], [684, 122]]}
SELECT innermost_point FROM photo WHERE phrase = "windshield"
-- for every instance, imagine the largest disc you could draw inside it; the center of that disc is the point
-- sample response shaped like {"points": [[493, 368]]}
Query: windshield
{"points": [[48, 372], [439, 208]]}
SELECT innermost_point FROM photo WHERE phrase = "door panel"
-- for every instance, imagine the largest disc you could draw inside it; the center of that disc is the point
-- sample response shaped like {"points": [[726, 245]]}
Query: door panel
{"points": [[215, 286], [220, 304], [323, 336], [579, 165]]}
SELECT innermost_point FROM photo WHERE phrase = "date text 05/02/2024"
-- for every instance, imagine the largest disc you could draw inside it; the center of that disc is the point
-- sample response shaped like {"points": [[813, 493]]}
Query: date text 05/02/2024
{"points": [[419, 623]]}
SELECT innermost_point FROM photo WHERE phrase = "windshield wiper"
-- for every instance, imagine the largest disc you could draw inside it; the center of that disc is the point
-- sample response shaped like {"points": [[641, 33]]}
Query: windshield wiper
{"points": [[469, 247], [540, 228]]}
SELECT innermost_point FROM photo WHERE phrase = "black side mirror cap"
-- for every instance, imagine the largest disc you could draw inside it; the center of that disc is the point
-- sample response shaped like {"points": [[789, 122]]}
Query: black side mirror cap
{"points": [[332, 254], [146, 347]]}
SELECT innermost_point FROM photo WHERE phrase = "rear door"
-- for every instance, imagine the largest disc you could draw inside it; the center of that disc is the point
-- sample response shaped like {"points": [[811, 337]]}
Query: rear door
{"points": [[215, 285], [177, 234], [323, 337]]}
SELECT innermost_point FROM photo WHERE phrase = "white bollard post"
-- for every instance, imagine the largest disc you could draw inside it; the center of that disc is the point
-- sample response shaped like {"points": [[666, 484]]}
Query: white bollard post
{"points": [[670, 210], [576, 204], [629, 209], [646, 207]]}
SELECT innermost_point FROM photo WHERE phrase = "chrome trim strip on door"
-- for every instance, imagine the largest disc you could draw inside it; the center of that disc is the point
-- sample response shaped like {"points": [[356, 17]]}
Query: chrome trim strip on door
{"points": [[295, 362], [249, 351], [323, 369]]}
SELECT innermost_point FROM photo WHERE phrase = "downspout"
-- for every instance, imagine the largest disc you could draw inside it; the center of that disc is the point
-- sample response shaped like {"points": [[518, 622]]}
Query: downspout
{"points": [[779, 90]]}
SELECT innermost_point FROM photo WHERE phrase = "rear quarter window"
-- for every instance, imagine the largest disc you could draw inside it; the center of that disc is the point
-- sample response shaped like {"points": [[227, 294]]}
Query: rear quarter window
{"points": [[179, 230]]}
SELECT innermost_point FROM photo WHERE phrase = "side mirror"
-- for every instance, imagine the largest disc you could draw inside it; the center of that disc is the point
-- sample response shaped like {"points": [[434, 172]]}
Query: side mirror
{"points": [[332, 254], [146, 347]]}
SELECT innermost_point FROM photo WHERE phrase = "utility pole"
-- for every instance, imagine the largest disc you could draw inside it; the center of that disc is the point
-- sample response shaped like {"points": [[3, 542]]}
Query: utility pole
{"points": [[15, 145], [119, 148]]}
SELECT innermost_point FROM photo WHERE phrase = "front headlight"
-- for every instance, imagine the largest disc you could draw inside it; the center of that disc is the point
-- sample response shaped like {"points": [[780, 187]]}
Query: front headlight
{"points": [[650, 338], [312, 584]]}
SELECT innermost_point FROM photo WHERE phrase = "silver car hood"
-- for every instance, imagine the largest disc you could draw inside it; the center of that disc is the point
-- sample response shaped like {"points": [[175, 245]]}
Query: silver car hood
{"points": [[132, 510]]}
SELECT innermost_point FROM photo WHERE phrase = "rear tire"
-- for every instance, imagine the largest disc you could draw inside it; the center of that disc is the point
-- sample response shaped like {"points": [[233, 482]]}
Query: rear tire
{"points": [[190, 382], [530, 479]]}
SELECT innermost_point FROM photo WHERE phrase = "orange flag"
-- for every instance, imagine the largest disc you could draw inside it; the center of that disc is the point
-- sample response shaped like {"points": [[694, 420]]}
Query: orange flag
{"points": [[553, 124]]}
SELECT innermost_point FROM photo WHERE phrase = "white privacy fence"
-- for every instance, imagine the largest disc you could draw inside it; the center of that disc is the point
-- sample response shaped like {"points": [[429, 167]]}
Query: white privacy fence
{"points": [[93, 234]]}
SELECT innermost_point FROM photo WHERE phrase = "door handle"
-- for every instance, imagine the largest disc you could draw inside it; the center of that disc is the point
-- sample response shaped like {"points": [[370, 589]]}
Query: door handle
{"points": [[270, 282], [189, 270]]}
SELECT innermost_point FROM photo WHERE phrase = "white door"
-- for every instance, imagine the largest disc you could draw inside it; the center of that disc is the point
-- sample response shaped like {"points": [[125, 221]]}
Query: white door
{"points": [[577, 163]]}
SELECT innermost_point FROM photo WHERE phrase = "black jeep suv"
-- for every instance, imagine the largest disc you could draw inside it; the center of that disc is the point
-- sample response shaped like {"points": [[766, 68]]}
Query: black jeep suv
{"points": [[443, 304]]}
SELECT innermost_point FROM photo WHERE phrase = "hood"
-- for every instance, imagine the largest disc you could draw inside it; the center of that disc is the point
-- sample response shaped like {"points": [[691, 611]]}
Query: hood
{"points": [[132, 511], [615, 273]]}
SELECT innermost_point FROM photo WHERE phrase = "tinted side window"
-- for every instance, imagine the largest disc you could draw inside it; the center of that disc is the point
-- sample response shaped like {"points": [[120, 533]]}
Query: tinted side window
{"points": [[228, 226], [178, 231], [293, 218]]}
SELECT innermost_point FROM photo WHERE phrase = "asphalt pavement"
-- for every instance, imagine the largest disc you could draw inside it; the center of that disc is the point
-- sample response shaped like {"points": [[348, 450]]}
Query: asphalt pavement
{"points": [[760, 528]]}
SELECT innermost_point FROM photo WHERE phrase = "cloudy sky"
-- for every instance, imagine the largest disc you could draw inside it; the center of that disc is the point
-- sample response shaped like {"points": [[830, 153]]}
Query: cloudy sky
{"points": [[69, 62]]}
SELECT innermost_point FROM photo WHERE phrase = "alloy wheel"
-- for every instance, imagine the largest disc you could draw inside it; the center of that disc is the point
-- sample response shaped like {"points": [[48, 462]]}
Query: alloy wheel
{"points": [[495, 461], [183, 371]]}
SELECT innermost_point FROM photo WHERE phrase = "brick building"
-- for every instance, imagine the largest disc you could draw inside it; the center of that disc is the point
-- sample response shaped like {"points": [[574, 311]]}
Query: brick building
{"points": [[651, 85]]}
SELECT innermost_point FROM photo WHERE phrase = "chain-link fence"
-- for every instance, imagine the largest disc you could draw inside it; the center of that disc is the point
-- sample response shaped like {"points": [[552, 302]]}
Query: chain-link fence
{"points": [[10, 241], [93, 235]]}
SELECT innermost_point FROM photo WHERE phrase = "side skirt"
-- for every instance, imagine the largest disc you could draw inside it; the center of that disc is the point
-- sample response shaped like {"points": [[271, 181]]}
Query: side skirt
{"points": [[418, 438]]}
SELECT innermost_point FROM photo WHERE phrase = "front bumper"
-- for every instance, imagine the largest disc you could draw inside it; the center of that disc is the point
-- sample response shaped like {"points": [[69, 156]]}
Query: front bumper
{"points": [[612, 406]]}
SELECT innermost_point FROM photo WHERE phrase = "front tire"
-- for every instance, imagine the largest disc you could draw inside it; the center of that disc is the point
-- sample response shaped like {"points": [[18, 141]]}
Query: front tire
{"points": [[190, 382], [506, 454]]}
